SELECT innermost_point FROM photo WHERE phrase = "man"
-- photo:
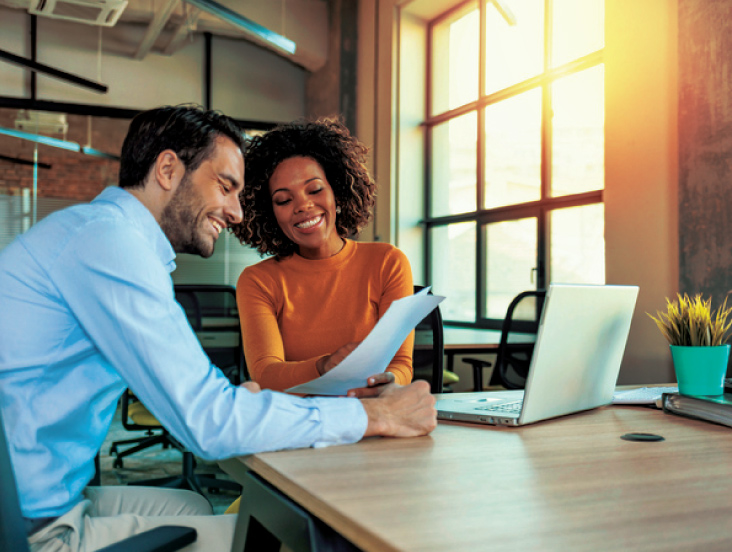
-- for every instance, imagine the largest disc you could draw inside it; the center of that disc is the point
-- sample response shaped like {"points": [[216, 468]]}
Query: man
{"points": [[88, 309]]}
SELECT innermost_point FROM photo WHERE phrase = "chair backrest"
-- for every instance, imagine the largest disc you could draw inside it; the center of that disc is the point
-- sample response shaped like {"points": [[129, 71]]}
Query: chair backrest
{"points": [[12, 527], [213, 314], [514, 356], [429, 349]]}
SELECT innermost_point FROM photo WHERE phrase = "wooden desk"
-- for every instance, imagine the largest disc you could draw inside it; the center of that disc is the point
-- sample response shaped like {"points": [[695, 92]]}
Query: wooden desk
{"points": [[565, 484]]}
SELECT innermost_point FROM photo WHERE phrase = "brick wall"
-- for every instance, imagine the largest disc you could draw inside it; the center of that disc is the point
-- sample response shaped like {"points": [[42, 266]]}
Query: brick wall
{"points": [[72, 176]]}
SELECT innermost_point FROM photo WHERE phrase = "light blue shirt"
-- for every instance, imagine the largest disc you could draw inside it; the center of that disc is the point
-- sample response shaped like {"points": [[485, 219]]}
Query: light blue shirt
{"points": [[86, 309]]}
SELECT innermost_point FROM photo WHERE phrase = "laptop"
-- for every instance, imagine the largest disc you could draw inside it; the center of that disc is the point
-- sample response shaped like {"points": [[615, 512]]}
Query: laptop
{"points": [[579, 346]]}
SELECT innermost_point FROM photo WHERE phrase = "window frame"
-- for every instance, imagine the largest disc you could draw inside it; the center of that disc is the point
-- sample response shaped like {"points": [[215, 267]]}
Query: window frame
{"points": [[539, 209]]}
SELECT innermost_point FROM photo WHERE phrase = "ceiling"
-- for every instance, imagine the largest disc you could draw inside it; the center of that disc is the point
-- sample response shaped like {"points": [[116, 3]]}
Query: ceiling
{"points": [[170, 23]]}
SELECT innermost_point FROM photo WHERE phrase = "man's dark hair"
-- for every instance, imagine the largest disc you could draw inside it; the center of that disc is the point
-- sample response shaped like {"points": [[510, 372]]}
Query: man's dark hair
{"points": [[188, 130]]}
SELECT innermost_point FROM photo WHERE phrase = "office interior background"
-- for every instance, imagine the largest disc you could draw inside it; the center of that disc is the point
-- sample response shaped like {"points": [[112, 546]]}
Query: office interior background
{"points": [[515, 142]]}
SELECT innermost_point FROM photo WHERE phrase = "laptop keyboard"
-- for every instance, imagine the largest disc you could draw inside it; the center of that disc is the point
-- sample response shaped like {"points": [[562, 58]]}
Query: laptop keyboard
{"points": [[511, 407]]}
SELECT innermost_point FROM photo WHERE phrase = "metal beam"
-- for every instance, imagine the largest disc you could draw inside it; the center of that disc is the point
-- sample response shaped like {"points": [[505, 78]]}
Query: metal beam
{"points": [[19, 161], [187, 24], [104, 111], [155, 28], [52, 72]]}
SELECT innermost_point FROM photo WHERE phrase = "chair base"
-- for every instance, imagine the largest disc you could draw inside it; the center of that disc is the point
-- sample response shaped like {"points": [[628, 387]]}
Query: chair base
{"points": [[195, 483], [191, 480], [141, 443]]}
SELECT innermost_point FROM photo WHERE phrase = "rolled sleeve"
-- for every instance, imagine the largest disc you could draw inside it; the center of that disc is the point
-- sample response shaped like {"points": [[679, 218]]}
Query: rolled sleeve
{"points": [[343, 421]]}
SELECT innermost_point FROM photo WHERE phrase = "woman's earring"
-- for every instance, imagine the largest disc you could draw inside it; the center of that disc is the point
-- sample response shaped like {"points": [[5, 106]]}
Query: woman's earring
{"points": [[338, 210]]}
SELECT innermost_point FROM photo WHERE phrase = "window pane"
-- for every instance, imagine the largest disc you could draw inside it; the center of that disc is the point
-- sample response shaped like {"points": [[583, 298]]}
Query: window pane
{"points": [[578, 149], [514, 45], [455, 48], [511, 252], [579, 29], [453, 269], [513, 150], [578, 245], [454, 161]]}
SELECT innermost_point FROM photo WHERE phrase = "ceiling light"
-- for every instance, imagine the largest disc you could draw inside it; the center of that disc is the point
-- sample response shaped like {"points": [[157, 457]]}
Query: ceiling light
{"points": [[270, 37]]}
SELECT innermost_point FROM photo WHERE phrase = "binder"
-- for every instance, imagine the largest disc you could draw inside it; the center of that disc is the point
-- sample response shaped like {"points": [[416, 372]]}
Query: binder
{"points": [[711, 408]]}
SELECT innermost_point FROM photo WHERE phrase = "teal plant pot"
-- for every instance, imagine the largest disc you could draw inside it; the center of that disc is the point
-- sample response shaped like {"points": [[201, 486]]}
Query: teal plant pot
{"points": [[700, 370]]}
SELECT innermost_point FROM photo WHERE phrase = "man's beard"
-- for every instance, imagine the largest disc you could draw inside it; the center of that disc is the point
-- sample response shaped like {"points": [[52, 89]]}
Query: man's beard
{"points": [[179, 223]]}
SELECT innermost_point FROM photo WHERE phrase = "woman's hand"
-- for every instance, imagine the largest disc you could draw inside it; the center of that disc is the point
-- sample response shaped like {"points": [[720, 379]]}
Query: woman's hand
{"points": [[327, 363], [375, 386]]}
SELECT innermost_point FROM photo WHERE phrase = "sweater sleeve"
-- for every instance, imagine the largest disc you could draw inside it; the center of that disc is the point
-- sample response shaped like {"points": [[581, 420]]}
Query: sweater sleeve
{"points": [[263, 347], [397, 283]]}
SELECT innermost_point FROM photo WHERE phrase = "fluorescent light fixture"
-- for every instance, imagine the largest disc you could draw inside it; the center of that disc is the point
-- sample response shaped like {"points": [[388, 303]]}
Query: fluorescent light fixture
{"points": [[96, 153], [56, 143], [38, 139], [270, 37]]}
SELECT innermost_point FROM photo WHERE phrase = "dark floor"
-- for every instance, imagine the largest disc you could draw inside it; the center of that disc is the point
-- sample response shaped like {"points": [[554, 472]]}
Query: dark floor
{"points": [[156, 462]]}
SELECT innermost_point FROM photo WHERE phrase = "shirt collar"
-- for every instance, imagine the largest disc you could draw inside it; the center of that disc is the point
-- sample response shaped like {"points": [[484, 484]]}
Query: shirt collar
{"points": [[141, 217]]}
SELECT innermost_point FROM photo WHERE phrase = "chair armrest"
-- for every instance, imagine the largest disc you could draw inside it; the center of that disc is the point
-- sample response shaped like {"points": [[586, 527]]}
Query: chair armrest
{"points": [[478, 366], [166, 538]]}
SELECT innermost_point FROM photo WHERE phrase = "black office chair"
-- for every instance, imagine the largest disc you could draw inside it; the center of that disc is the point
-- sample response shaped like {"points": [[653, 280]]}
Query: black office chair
{"points": [[12, 528], [513, 357], [429, 351], [211, 311], [213, 315]]}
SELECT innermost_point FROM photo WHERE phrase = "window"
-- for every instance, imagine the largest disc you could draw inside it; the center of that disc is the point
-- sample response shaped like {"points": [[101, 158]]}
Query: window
{"points": [[514, 131]]}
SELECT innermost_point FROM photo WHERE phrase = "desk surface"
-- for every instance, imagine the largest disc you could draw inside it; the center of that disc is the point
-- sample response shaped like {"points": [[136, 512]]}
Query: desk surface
{"points": [[564, 484], [473, 339]]}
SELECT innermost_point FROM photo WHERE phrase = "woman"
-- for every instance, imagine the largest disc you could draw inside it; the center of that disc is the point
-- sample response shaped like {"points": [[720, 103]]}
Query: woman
{"points": [[307, 190]]}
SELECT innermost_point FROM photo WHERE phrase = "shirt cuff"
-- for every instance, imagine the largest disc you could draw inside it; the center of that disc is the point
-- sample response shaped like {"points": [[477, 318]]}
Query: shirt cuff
{"points": [[343, 421]]}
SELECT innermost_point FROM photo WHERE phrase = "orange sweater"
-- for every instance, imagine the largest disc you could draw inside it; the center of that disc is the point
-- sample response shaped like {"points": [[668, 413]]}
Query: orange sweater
{"points": [[295, 311]]}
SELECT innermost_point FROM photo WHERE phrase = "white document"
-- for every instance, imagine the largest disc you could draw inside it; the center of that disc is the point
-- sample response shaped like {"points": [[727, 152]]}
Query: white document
{"points": [[374, 353]]}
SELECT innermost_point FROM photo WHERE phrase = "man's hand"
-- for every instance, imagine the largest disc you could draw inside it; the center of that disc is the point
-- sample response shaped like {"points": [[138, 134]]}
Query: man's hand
{"points": [[401, 411]]}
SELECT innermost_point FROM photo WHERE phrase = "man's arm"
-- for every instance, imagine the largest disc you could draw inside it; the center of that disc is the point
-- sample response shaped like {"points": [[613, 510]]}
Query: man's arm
{"points": [[122, 297], [401, 411]]}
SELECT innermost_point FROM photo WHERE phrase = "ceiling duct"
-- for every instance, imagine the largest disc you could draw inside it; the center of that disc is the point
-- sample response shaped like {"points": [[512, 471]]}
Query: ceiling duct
{"points": [[104, 13]]}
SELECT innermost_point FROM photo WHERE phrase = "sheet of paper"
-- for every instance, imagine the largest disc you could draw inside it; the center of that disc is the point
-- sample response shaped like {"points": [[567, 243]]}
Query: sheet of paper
{"points": [[374, 353]]}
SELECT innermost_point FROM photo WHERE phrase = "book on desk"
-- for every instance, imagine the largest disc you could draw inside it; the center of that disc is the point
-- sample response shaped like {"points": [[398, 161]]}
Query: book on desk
{"points": [[710, 408]]}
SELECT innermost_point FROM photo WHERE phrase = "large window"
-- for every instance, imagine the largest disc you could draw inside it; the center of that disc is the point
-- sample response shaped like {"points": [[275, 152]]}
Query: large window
{"points": [[515, 137]]}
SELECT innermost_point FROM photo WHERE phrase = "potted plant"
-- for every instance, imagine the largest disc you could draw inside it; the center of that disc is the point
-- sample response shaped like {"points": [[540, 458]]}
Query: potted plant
{"points": [[698, 340]]}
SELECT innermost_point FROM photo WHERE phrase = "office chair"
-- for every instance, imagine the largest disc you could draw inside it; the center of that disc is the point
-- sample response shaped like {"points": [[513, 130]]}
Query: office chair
{"points": [[213, 315], [428, 354], [211, 311], [513, 358], [12, 528], [133, 411], [142, 419]]}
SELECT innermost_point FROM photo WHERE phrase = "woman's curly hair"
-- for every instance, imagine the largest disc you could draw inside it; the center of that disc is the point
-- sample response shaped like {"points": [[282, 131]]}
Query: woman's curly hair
{"points": [[342, 158]]}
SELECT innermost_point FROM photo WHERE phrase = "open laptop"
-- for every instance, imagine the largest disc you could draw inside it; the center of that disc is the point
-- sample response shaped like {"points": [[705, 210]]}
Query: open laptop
{"points": [[579, 346]]}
